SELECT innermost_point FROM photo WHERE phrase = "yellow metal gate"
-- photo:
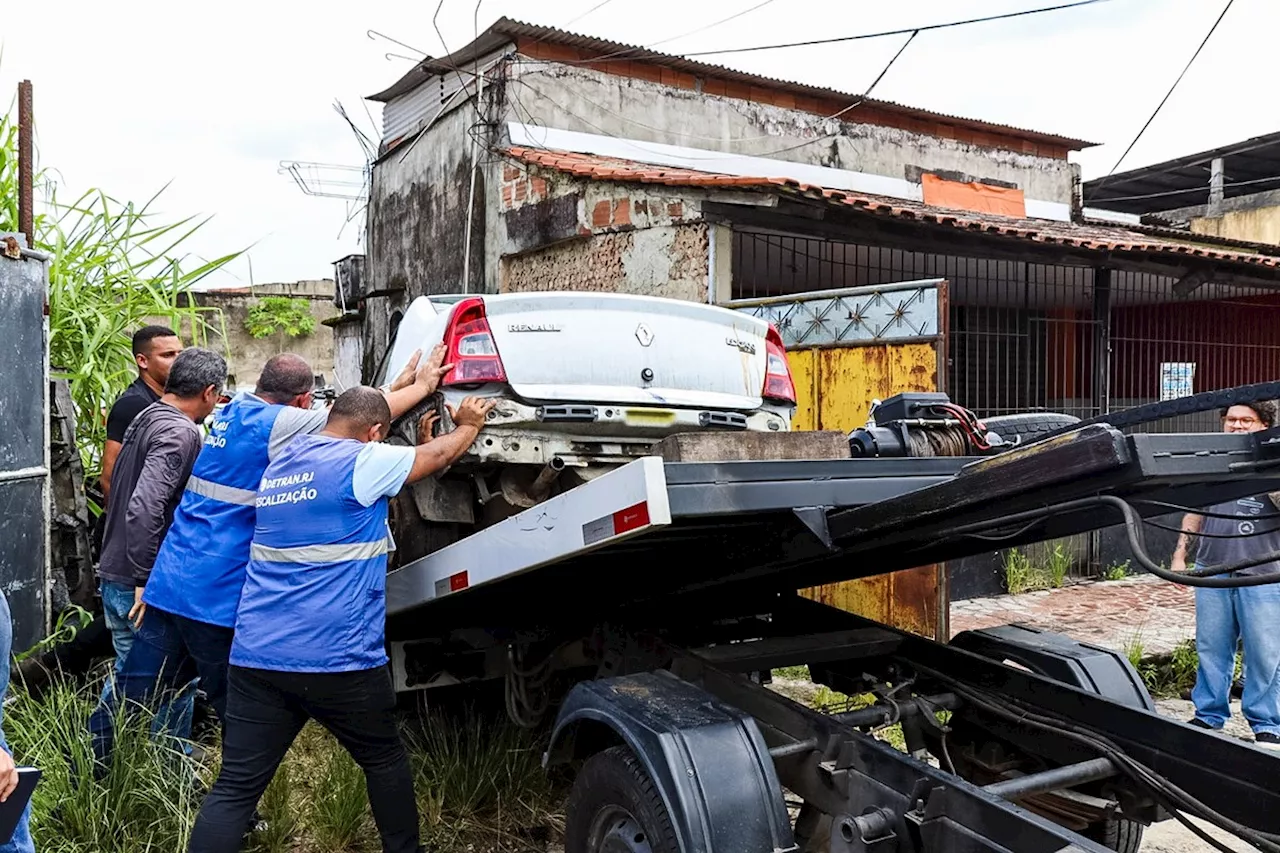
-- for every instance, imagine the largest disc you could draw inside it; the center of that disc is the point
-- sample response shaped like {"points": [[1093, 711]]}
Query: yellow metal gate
{"points": [[847, 348]]}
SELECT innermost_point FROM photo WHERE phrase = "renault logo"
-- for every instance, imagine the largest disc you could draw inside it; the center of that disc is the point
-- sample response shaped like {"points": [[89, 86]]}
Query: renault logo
{"points": [[644, 335]]}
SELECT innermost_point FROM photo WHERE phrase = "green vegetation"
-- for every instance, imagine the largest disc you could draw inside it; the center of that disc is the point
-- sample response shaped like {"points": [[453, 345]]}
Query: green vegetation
{"points": [[1116, 571], [282, 316], [113, 269], [1048, 569], [479, 781]]}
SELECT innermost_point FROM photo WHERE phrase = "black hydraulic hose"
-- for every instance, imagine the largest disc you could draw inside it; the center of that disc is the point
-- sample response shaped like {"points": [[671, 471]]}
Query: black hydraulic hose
{"points": [[1171, 796], [1137, 543]]}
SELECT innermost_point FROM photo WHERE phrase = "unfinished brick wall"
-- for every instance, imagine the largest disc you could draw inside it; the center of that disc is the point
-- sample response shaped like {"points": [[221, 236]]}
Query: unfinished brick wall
{"points": [[669, 261]]}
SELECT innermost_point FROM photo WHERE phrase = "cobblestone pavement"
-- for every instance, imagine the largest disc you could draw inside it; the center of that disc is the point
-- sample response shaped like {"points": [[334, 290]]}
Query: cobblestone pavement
{"points": [[1113, 614]]}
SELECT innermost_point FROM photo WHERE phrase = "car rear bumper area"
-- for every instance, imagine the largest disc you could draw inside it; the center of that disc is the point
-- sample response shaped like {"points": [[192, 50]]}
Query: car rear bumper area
{"points": [[578, 433]]}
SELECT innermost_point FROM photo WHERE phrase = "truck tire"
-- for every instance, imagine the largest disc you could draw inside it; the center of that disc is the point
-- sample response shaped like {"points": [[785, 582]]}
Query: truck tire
{"points": [[614, 807], [1123, 836], [1027, 427]]}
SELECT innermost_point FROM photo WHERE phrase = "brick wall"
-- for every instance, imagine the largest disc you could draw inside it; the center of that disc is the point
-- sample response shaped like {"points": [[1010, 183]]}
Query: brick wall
{"points": [[668, 261], [565, 233]]}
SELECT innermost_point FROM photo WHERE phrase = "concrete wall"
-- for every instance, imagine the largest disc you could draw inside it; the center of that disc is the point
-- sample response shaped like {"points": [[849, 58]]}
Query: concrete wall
{"points": [[1258, 225], [246, 354], [582, 99]]}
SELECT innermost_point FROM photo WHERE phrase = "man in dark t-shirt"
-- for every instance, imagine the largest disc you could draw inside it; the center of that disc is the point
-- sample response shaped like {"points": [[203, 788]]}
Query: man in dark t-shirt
{"points": [[1226, 535], [154, 349]]}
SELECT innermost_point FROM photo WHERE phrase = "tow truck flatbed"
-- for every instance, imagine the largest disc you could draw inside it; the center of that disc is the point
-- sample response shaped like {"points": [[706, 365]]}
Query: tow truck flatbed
{"points": [[650, 604]]}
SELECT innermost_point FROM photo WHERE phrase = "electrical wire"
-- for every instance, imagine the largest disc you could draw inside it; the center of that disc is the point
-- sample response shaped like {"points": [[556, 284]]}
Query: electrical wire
{"points": [[1203, 512], [628, 54], [1166, 97], [1174, 799], [806, 143]]}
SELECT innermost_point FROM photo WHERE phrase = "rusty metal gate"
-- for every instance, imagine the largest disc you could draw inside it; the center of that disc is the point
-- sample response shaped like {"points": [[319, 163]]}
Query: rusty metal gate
{"points": [[24, 440], [846, 348]]}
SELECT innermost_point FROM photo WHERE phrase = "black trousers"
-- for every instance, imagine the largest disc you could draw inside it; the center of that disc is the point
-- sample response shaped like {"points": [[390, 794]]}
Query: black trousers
{"points": [[265, 712]]}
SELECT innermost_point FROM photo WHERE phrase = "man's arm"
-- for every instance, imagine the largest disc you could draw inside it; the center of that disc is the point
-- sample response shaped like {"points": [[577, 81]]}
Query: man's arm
{"points": [[118, 420], [163, 477], [1190, 527], [425, 381], [439, 453], [109, 454]]}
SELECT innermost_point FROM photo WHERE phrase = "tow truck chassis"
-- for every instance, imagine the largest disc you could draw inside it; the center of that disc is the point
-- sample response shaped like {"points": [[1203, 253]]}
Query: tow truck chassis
{"points": [[656, 599]]}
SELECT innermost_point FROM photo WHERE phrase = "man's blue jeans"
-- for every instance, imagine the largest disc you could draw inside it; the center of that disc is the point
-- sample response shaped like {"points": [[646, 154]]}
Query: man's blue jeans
{"points": [[168, 653], [21, 841], [174, 717], [1224, 617]]}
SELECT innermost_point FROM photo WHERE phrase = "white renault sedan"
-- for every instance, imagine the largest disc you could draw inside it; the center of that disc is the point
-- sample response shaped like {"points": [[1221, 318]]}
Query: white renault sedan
{"points": [[588, 381]]}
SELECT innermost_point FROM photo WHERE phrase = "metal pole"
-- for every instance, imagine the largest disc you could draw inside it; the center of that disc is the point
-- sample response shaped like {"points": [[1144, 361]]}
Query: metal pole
{"points": [[26, 210], [1052, 780]]}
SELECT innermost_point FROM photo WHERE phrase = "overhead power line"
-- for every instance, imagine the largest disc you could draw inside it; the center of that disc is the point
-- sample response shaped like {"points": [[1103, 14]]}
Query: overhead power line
{"points": [[898, 32], [1167, 94]]}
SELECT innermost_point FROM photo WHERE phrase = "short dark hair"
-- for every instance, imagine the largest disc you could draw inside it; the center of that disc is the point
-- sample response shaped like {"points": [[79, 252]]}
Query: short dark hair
{"points": [[361, 407], [143, 337], [1264, 409], [284, 377], [194, 370]]}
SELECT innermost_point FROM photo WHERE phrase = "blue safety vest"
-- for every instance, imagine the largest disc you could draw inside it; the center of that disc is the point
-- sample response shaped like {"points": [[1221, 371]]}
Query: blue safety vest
{"points": [[199, 569], [315, 591]]}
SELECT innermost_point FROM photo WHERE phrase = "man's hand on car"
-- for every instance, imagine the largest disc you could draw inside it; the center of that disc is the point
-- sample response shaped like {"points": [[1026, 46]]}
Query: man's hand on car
{"points": [[426, 425], [472, 412], [429, 374], [406, 377]]}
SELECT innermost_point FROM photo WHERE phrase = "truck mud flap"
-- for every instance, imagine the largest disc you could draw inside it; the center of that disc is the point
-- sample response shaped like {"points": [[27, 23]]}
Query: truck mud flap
{"points": [[707, 758]]}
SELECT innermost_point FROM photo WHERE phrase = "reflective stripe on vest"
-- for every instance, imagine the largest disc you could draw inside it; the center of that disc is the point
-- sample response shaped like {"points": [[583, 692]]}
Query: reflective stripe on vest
{"points": [[219, 492], [312, 554]]}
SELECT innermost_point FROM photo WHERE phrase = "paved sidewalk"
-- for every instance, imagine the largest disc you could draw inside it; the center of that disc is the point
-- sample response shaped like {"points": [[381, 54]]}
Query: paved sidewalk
{"points": [[1113, 614]]}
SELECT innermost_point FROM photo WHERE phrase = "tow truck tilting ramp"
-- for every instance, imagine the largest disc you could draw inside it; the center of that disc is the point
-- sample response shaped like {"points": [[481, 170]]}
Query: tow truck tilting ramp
{"points": [[652, 531]]}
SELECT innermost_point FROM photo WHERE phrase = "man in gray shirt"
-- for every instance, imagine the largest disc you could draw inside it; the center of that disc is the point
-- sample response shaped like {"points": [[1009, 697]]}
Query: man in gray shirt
{"points": [[156, 456], [1229, 534]]}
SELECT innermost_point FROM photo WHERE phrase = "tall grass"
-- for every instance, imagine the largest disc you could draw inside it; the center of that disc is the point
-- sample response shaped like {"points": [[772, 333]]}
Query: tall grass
{"points": [[479, 783], [114, 268]]}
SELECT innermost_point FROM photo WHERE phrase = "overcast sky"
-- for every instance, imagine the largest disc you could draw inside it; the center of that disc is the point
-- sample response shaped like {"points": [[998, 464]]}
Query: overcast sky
{"points": [[132, 95]]}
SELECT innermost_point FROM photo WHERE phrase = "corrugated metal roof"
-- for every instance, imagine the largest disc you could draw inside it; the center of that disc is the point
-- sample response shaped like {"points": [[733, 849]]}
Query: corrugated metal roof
{"points": [[1090, 237], [1249, 167], [506, 30]]}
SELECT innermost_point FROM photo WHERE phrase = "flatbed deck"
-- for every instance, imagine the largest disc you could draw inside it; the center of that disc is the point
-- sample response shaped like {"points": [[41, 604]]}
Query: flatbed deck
{"points": [[650, 530]]}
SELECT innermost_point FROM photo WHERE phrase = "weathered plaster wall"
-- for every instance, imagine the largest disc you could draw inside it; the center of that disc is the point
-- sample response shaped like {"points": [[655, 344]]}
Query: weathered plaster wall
{"points": [[582, 99], [1259, 225], [418, 209], [668, 261], [562, 233], [246, 354]]}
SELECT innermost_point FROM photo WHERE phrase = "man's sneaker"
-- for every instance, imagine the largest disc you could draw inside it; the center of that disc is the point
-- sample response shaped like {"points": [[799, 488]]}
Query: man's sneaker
{"points": [[1200, 724], [1267, 740]]}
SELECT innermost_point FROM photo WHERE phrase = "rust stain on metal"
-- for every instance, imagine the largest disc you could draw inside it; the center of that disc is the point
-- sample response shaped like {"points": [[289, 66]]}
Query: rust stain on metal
{"points": [[11, 248]]}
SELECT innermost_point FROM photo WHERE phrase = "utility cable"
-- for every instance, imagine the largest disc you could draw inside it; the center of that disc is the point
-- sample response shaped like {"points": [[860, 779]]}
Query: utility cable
{"points": [[637, 53], [804, 144], [1167, 94]]}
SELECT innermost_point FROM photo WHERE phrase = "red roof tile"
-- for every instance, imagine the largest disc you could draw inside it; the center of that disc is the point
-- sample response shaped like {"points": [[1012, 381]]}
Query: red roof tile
{"points": [[1093, 237]]}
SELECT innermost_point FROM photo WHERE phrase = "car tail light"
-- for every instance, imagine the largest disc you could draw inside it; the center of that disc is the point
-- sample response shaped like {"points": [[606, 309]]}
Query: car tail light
{"points": [[472, 350], [777, 376]]}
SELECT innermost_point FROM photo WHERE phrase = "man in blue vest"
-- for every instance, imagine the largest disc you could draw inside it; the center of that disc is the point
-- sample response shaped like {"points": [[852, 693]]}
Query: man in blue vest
{"points": [[188, 607], [310, 632]]}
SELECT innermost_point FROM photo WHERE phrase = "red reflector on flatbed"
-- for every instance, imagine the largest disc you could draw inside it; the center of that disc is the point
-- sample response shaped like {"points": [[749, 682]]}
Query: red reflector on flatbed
{"points": [[622, 521]]}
